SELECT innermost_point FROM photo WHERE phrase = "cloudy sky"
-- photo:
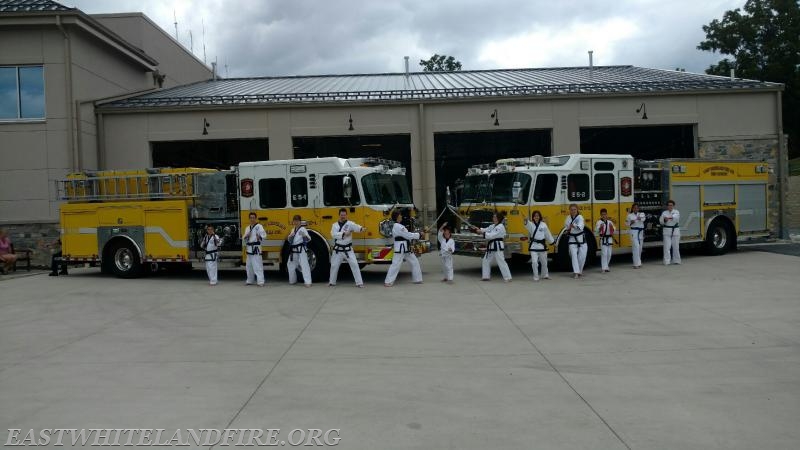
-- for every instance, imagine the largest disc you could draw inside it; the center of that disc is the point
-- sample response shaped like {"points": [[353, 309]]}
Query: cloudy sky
{"points": [[305, 37]]}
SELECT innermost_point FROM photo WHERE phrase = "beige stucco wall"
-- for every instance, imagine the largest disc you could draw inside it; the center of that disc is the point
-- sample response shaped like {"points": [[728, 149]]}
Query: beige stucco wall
{"points": [[731, 116], [35, 153], [175, 62]]}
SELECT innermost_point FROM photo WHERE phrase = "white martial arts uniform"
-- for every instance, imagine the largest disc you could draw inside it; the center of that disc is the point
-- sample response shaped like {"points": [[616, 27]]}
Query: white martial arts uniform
{"points": [[577, 242], [298, 241], [605, 231], [636, 223], [446, 249], [210, 245], [539, 236], [494, 235], [342, 234], [254, 265], [671, 235], [402, 250]]}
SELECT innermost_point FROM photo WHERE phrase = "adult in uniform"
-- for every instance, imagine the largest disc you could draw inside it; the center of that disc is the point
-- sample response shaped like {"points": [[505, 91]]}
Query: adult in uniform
{"points": [[635, 221], [538, 236], [671, 233], [210, 245], [402, 250], [447, 246], [342, 233], [494, 235], [253, 235], [574, 225], [298, 244], [605, 230]]}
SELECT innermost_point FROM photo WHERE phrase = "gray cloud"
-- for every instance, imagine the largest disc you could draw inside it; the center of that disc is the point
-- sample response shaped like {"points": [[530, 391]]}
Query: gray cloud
{"points": [[302, 37]]}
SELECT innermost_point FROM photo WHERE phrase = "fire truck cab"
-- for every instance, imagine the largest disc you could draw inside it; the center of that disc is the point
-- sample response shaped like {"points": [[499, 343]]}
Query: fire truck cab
{"points": [[720, 201]]}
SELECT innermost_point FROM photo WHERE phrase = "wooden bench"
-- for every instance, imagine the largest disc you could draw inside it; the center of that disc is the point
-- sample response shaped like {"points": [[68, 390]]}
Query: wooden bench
{"points": [[23, 254]]}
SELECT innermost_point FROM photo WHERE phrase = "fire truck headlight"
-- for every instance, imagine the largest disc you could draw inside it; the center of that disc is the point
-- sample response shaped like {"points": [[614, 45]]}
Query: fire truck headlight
{"points": [[385, 228]]}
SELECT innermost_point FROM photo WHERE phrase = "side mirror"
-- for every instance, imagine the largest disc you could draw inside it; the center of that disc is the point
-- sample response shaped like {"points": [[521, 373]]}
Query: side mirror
{"points": [[448, 197], [516, 192], [347, 187]]}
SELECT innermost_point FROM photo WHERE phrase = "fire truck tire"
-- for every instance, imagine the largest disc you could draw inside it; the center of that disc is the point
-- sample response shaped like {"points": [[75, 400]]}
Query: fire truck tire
{"points": [[318, 260], [124, 260], [562, 258], [720, 237]]}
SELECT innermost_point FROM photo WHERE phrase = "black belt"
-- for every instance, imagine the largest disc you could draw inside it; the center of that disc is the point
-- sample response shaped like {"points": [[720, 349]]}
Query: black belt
{"points": [[639, 231], [607, 240], [537, 241], [342, 248], [296, 249], [494, 245], [673, 228], [256, 248], [576, 236], [212, 253], [403, 246]]}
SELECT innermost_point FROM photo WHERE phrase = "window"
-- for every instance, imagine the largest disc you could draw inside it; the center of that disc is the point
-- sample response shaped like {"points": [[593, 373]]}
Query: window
{"points": [[272, 193], [604, 186], [546, 187], [385, 189], [299, 191], [333, 191], [604, 166], [21, 92], [578, 187]]}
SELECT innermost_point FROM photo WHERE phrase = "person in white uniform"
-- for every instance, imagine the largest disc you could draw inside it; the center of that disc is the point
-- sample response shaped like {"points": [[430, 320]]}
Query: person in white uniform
{"points": [[298, 243], [635, 221], [538, 236], [253, 235], [402, 251], [495, 244], [342, 233], [671, 233], [574, 225], [604, 228], [210, 245], [447, 246]]}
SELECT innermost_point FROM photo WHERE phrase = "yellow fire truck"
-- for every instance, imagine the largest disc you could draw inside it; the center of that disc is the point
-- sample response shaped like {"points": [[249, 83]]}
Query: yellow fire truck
{"points": [[132, 221], [720, 202]]}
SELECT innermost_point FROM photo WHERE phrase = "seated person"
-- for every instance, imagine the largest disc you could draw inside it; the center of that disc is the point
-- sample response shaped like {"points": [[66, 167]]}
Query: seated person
{"points": [[7, 257]]}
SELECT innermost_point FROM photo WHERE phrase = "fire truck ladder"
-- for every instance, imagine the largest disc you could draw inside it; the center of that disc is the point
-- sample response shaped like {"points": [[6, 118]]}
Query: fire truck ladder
{"points": [[105, 186]]}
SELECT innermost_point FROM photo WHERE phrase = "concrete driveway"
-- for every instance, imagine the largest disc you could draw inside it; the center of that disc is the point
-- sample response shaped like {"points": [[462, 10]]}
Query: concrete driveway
{"points": [[702, 355]]}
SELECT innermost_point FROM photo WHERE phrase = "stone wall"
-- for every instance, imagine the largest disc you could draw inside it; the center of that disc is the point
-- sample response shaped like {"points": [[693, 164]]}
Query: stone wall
{"points": [[35, 236], [792, 205], [754, 150]]}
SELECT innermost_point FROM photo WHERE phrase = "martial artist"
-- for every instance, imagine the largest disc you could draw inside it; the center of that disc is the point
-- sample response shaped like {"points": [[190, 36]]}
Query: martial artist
{"points": [[402, 250], [298, 244], [210, 245], [635, 222], [573, 225], [447, 246], [671, 233], [494, 235], [605, 230], [342, 233], [253, 235], [538, 236]]}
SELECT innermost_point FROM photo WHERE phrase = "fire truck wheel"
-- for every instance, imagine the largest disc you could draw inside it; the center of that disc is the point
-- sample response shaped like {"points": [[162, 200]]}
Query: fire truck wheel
{"points": [[125, 261], [562, 259], [720, 237], [318, 260]]}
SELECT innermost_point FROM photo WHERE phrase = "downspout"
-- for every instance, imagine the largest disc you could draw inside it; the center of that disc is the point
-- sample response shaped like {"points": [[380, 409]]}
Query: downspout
{"points": [[783, 169], [101, 141], [73, 150], [422, 155]]}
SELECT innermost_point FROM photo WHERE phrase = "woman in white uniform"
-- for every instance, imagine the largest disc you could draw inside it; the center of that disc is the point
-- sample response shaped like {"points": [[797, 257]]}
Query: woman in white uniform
{"points": [[402, 251], [210, 245], [574, 225], [671, 233], [538, 236], [298, 242], [495, 246], [635, 221]]}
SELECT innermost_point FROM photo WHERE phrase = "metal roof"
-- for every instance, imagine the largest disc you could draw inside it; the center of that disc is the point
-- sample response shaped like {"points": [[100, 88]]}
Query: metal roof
{"points": [[31, 6], [425, 86]]}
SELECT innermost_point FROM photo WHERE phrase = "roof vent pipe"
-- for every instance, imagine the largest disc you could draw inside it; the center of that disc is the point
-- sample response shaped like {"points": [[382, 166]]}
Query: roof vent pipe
{"points": [[214, 70], [733, 75], [406, 58], [591, 64]]}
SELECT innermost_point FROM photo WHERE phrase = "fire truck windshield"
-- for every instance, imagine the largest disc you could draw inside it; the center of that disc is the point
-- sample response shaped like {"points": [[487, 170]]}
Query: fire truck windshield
{"points": [[495, 188], [385, 189]]}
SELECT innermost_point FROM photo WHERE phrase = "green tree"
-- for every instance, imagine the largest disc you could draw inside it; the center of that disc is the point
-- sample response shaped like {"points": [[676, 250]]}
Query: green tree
{"points": [[763, 42], [440, 63]]}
